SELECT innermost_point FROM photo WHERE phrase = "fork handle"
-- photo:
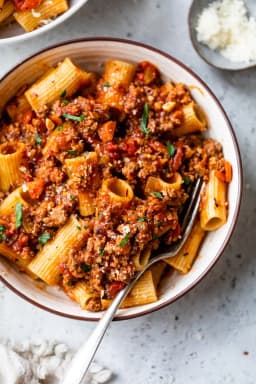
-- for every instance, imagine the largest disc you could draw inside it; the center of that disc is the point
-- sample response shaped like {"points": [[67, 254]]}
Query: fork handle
{"points": [[83, 357]]}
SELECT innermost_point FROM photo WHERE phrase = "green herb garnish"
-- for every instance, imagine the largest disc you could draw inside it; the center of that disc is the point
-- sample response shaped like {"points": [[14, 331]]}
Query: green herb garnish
{"points": [[18, 214], [158, 224], [106, 85], [186, 180], [72, 152], [101, 251], [59, 128], [85, 267], [44, 238], [142, 219], [2, 235], [78, 227], [38, 139], [72, 197], [73, 117], [158, 195], [63, 94], [144, 119], [70, 283], [124, 241], [86, 226], [171, 149], [66, 102]]}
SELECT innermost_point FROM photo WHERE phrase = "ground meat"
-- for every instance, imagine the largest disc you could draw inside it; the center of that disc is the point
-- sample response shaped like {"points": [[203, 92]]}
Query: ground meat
{"points": [[74, 146]]}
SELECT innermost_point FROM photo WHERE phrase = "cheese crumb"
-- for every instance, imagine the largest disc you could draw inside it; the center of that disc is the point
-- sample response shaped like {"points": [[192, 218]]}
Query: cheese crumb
{"points": [[35, 13], [225, 26]]}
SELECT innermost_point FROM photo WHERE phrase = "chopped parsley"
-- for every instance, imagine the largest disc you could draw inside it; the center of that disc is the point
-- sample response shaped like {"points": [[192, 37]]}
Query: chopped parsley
{"points": [[144, 119], [71, 283], [18, 215], [72, 197], [86, 267], [106, 86], [73, 117], [142, 219], [186, 180], [158, 224], [66, 102], [78, 227], [72, 152], [171, 149], [86, 226], [59, 128], [44, 238], [2, 234], [101, 251], [63, 94], [124, 241], [38, 139], [158, 195]]}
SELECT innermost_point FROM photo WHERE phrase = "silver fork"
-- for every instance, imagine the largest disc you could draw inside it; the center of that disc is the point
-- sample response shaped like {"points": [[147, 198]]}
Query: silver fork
{"points": [[83, 358]]}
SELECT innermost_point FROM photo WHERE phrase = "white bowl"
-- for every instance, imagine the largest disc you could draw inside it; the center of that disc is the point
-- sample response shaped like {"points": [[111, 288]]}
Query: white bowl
{"points": [[92, 54], [14, 33]]}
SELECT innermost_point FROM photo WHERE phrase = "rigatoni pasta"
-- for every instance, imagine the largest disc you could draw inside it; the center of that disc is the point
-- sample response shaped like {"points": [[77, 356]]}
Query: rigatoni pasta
{"points": [[95, 173], [65, 79], [31, 14], [6, 10]]}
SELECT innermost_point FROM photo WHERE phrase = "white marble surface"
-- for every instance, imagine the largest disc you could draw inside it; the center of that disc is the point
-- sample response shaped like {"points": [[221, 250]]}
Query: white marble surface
{"points": [[203, 337]]}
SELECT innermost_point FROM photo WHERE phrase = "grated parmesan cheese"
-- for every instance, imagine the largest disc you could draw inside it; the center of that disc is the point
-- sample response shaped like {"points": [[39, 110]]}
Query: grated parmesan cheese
{"points": [[35, 13], [225, 26]]}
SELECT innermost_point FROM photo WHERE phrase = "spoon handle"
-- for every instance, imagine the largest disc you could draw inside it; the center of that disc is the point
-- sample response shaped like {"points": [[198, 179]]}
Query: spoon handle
{"points": [[83, 358]]}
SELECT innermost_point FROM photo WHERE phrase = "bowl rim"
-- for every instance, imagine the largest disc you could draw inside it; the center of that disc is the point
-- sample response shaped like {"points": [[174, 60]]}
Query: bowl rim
{"points": [[197, 50], [240, 180], [44, 28]]}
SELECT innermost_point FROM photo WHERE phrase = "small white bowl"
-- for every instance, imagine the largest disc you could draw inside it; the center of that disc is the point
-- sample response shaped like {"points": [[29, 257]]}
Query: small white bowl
{"points": [[92, 54], [14, 33]]}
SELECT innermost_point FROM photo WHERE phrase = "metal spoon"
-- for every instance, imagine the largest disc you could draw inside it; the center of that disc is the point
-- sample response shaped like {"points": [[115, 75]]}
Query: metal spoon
{"points": [[213, 57]]}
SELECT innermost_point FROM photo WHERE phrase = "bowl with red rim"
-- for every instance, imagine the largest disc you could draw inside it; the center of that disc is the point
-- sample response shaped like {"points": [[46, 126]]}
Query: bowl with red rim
{"points": [[12, 32], [92, 54]]}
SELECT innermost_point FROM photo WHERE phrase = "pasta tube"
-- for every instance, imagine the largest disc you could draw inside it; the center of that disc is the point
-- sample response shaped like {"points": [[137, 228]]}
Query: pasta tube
{"points": [[32, 19], [11, 155], [116, 79], [118, 190], [141, 259], [194, 120], [144, 292], [86, 203], [17, 106], [118, 73], [156, 184], [183, 261], [6, 10], [46, 263], [157, 270], [81, 294], [214, 206], [8, 205], [66, 77], [11, 255]]}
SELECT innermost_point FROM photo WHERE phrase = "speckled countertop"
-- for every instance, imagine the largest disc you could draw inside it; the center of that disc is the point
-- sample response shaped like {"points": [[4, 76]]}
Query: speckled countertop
{"points": [[209, 335]]}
